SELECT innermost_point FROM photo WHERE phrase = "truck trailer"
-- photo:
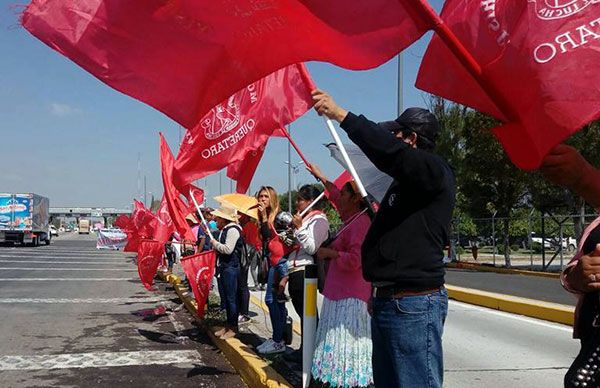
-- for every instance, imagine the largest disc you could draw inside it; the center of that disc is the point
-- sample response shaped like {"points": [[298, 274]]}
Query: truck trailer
{"points": [[24, 219]]}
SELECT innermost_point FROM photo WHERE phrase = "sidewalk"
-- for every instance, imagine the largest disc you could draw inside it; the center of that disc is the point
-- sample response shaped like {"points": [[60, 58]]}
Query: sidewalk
{"points": [[275, 371]]}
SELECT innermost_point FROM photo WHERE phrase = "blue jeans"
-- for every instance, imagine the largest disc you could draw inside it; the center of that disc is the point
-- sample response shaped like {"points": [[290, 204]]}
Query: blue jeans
{"points": [[277, 310], [229, 280], [407, 340]]}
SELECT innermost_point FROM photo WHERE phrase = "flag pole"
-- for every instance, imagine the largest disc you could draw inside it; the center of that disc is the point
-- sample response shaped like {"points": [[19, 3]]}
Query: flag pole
{"points": [[312, 204], [200, 214], [467, 60], [293, 143], [342, 148]]}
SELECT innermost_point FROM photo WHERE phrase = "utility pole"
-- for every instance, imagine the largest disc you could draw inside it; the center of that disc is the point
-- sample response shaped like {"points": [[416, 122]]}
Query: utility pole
{"points": [[221, 182], [139, 177], [145, 198], [400, 84]]}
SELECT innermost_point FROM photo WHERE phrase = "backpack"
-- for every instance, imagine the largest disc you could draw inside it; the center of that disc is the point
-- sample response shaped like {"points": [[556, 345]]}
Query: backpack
{"points": [[249, 254]]}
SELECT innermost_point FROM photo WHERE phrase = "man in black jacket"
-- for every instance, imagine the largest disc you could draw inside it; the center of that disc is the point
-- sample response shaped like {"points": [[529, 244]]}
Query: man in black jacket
{"points": [[403, 250]]}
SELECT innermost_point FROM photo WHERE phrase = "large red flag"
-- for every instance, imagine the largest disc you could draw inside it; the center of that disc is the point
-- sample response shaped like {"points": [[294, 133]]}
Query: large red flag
{"points": [[149, 257], [177, 209], [183, 57], [164, 227], [199, 270], [243, 123], [542, 56]]}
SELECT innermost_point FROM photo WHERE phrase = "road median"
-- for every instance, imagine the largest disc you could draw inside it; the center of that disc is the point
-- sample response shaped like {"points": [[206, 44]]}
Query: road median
{"points": [[547, 311]]}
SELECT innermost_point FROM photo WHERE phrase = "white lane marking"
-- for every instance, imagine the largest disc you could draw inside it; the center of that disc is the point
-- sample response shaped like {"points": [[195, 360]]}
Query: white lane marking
{"points": [[99, 360], [61, 257], [63, 279], [64, 269], [61, 262], [517, 317], [179, 328], [82, 300]]}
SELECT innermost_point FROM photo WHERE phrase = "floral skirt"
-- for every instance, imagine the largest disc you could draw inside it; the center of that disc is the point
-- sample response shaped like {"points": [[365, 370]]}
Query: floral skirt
{"points": [[343, 347]]}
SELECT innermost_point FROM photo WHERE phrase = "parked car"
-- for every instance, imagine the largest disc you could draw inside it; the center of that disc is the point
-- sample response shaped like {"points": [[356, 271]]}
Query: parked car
{"points": [[569, 244], [53, 231]]}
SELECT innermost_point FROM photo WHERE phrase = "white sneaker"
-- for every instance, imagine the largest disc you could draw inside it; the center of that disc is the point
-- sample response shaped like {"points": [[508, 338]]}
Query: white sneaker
{"points": [[276, 347], [265, 344]]}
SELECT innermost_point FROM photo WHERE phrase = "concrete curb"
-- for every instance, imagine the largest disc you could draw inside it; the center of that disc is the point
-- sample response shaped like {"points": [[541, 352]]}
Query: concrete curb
{"points": [[262, 305], [552, 312], [253, 369], [486, 268]]}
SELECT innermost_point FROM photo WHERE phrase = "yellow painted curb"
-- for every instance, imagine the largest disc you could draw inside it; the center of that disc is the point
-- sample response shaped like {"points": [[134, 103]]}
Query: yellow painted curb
{"points": [[265, 308], [486, 268], [253, 369], [552, 312]]}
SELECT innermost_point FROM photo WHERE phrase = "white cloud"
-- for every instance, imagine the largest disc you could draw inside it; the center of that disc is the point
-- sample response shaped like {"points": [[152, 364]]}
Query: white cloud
{"points": [[63, 110]]}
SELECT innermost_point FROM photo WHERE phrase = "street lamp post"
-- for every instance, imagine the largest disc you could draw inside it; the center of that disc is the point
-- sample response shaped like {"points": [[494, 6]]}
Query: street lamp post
{"points": [[295, 168]]}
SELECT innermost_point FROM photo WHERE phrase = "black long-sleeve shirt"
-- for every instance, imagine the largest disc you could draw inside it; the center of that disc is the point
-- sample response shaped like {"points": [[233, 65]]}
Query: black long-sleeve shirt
{"points": [[404, 245]]}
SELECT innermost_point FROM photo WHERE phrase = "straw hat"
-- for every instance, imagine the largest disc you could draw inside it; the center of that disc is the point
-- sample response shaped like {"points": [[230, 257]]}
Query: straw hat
{"points": [[190, 217], [243, 203], [226, 212]]}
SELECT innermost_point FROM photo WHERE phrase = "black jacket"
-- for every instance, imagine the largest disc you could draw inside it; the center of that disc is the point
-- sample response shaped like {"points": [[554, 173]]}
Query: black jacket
{"points": [[404, 245]]}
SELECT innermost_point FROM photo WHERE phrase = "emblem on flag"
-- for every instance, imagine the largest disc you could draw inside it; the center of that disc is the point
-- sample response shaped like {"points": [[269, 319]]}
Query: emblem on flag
{"points": [[560, 9]]}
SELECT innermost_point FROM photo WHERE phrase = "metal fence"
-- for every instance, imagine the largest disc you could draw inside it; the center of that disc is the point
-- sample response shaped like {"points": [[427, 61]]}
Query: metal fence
{"points": [[538, 242]]}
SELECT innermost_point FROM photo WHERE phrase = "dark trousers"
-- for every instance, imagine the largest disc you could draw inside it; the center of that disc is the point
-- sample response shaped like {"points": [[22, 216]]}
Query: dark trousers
{"points": [[229, 279], [220, 288], [296, 289], [243, 294]]}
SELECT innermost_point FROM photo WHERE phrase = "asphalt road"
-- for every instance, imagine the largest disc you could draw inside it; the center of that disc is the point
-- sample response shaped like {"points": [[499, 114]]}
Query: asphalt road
{"points": [[493, 349], [75, 316], [532, 287]]}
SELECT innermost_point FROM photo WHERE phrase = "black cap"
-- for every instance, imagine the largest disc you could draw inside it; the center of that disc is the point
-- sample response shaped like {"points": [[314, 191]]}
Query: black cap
{"points": [[418, 120]]}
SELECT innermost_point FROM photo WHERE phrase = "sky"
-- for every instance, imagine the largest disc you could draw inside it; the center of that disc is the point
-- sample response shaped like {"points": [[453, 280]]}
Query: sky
{"points": [[67, 136]]}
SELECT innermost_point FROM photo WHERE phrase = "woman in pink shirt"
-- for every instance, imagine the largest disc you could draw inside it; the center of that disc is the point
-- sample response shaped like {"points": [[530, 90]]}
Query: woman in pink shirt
{"points": [[343, 346]]}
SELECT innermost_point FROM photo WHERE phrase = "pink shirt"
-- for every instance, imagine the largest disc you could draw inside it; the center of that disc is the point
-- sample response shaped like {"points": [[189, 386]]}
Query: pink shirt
{"points": [[572, 263], [344, 276]]}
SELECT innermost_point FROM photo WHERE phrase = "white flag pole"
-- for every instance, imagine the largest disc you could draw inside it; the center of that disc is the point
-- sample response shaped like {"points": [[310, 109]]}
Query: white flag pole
{"points": [[312, 204], [201, 216], [351, 170]]}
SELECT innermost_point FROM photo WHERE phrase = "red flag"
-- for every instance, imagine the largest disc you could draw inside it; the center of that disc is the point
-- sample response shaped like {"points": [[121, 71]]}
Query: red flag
{"points": [[122, 222], [164, 227], [177, 209], [183, 57], [243, 123], [198, 195], [149, 257], [142, 225], [243, 170], [199, 271], [541, 55]]}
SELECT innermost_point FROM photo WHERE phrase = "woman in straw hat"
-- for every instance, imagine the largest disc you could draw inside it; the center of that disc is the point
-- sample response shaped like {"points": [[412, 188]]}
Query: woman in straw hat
{"points": [[229, 248]]}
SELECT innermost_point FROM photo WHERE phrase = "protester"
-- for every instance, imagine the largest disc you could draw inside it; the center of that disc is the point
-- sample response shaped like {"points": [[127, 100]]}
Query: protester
{"points": [[189, 247], [274, 251], [343, 348], [229, 250], [311, 231], [564, 166], [403, 251], [249, 234]]}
